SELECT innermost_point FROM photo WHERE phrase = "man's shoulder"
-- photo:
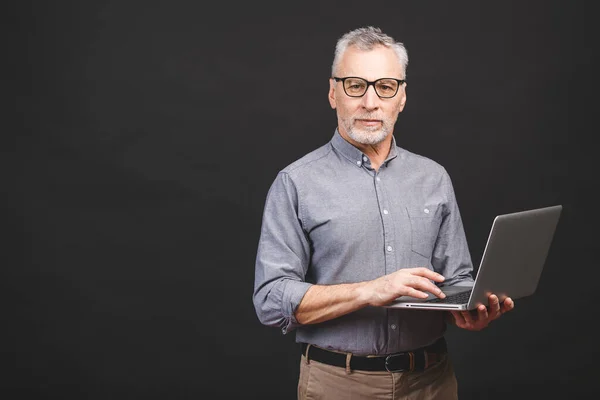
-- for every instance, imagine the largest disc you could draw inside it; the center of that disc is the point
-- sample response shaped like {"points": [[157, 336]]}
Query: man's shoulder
{"points": [[419, 161], [308, 160]]}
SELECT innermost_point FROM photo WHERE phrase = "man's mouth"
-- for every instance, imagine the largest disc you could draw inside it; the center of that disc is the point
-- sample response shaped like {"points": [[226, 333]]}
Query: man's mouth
{"points": [[369, 122]]}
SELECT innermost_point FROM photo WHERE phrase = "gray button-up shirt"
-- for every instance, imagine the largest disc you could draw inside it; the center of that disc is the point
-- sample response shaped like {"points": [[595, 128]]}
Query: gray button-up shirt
{"points": [[330, 218]]}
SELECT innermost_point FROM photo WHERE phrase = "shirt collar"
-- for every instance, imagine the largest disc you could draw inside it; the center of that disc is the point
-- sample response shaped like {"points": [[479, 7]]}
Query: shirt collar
{"points": [[355, 155]]}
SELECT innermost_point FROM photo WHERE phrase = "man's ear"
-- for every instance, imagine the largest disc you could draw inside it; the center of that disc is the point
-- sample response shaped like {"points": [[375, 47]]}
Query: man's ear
{"points": [[331, 95], [403, 100]]}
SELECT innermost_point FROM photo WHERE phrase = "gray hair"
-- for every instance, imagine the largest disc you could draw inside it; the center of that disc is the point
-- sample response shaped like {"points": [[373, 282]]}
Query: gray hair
{"points": [[366, 39]]}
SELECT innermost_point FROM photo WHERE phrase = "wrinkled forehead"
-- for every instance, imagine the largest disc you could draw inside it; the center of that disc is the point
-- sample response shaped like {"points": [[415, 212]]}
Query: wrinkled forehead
{"points": [[380, 62]]}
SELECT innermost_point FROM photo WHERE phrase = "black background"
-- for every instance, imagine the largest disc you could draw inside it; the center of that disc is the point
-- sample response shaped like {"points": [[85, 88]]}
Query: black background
{"points": [[142, 138]]}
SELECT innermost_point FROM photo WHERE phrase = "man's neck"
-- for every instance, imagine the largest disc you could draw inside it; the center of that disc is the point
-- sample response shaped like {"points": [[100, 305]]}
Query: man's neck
{"points": [[377, 153]]}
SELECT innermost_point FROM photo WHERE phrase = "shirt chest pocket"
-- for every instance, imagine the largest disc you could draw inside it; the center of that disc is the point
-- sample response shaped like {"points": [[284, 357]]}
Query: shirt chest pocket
{"points": [[424, 226]]}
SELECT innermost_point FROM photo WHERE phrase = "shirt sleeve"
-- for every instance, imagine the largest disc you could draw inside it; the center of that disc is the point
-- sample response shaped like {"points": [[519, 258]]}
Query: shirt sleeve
{"points": [[451, 256], [282, 258]]}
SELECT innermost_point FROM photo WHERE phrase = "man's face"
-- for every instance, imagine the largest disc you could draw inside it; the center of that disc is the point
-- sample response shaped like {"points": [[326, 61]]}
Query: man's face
{"points": [[367, 119]]}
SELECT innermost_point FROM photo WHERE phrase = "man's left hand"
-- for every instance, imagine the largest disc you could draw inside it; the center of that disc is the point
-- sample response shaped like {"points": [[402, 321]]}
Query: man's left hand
{"points": [[484, 315]]}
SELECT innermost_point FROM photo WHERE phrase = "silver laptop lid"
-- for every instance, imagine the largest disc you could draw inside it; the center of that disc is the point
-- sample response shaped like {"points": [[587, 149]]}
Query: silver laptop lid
{"points": [[515, 254]]}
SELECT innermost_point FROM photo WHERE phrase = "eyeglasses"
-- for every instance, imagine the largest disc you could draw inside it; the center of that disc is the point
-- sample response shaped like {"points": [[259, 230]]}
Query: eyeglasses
{"points": [[357, 87]]}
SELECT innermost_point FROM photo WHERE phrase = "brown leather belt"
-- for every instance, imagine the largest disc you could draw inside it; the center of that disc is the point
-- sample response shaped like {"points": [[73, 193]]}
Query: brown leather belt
{"points": [[414, 360]]}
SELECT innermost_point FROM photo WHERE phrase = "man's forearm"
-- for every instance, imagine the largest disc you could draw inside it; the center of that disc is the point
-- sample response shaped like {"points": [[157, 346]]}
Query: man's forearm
{"points": [[322, 303], [325, 302]]}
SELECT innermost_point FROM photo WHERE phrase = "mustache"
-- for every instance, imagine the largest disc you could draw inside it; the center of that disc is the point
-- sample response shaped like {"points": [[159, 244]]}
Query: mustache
{"points": [[368, 116]]}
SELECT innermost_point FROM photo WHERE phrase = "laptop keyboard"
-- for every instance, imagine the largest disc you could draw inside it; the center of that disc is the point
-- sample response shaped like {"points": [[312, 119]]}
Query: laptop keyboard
{"points": [[456, 298]]}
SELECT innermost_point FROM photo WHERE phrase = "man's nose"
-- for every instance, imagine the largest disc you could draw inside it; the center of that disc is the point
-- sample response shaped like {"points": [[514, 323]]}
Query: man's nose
{"points": [[370, 99]]}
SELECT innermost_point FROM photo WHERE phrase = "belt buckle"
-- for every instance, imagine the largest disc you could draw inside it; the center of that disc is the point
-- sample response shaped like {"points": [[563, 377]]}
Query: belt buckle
{"points": [[390, 359]]}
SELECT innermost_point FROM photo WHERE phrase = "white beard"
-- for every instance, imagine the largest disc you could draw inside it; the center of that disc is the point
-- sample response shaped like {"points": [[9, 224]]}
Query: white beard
{"points": [[367, 136]]}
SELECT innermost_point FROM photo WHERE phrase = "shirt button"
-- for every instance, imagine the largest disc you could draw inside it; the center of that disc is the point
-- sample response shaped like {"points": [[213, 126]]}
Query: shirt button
{"points": [[358, 163], [426, 211], [393, 326], [389, 248], [378, 178], [365, 159], [385, 211]]}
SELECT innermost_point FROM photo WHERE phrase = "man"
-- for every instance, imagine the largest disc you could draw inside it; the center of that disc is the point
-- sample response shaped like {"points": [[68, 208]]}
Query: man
{"points": [[356, 224]]}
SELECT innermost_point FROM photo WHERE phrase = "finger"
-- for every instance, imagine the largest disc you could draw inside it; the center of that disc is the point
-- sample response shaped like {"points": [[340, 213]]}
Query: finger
{"points": [[467, 317], [482, 313], [494, 306], [412, 292], [426, 285], [427, 273], [507, 305], [459, 319]]}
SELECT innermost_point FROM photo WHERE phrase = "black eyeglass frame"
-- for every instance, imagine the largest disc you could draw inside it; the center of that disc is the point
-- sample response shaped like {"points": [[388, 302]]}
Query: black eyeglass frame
{"points": [[369, 83]]}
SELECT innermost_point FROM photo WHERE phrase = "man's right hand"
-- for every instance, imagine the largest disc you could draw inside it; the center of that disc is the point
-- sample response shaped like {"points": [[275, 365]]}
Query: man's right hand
{"points": [[324, 302], [414, 282]]}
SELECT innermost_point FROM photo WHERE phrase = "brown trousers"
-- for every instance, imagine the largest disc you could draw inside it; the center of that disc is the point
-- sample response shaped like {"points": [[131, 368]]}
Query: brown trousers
{"points": [[322, 381]]}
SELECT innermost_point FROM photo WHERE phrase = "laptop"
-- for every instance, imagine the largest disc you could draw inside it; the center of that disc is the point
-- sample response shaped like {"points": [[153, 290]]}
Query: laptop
{"points": [[511, 265]]}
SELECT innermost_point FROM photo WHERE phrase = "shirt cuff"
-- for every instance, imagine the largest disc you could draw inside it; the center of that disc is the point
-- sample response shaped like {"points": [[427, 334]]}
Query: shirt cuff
{"points": [[293, 292]]}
